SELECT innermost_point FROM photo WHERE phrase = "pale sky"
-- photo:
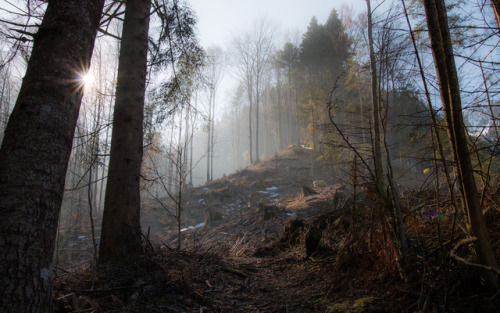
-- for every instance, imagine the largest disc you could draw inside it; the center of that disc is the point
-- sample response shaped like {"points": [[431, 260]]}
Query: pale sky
{"points": [[221, 20]]}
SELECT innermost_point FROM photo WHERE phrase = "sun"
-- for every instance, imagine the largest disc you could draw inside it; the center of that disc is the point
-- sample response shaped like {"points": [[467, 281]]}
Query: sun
{"points": [[87, 80]]}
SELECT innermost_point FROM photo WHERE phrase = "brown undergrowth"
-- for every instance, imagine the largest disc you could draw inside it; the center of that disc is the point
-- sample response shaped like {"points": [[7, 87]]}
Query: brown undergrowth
{"points": [[293, 253]]}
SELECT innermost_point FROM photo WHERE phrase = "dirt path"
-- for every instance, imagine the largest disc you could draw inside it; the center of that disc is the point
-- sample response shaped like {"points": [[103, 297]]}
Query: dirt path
{"points": [[274, 284]]}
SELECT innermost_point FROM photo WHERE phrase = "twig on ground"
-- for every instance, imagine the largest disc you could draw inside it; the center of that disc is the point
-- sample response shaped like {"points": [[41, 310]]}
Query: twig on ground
{"points": [[466, 241]]}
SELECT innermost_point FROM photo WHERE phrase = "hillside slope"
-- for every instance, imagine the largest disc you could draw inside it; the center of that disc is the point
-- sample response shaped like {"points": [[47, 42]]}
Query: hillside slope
{"points": [[258, 241]]}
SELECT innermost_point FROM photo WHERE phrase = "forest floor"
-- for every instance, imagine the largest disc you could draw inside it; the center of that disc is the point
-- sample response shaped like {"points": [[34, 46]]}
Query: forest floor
{"points": [[268, 239]]}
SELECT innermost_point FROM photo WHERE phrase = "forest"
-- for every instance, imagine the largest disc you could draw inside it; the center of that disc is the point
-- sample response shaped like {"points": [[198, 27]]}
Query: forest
{"points": [[350, 167]]}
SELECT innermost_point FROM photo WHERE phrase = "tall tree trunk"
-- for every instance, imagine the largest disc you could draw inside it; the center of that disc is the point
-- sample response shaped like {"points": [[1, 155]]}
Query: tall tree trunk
{"points": [[250, 124], [257, 100], [209, 143], [186, 135], [212, 130], [178, 153], [444, 61], [238, 128], [495, 4], [170, 159], [377, 151], [280, 130], [121, 237], [36, 150]]}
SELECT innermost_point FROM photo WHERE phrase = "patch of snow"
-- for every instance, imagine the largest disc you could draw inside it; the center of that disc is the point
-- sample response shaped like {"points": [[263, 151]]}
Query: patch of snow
{"points": [[206, 189], [272, 188], [193, 227], [274, 195], [201, 200], [292, 215], [82, 237], [265, 192]]}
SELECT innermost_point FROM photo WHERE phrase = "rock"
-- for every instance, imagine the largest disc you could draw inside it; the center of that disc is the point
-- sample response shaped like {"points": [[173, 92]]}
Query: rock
{"points": [[269, 212], [343, 223], [212, 216], [292, 230], [308, 191], [313, 237]]}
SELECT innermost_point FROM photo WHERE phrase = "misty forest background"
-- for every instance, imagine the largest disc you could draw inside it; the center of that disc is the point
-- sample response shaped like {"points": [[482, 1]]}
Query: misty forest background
{"points": [[269, 88]]}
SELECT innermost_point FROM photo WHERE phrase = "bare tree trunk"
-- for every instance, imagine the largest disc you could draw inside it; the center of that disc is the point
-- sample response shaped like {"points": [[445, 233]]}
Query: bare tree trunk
{"points": [[186, 132], [193, 118], [280, 130], [377, 151], [265, 130], [495, 4], [178, 166], [432, 112], [212, 130], [121, 237], [2, 108], [170, 166], [257, 100], [238, 128], [437, 22], [209, 143], [36, 150], [250, 124]]}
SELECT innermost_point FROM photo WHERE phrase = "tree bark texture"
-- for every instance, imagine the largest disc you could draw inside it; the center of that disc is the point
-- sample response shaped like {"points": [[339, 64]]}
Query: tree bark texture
{"points": [[121, 231], [444, 61], [36, 150]]}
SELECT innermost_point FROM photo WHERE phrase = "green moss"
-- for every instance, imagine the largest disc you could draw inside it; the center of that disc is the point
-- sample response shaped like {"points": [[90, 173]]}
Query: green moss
{"points": [[361, 304], [267, 239], [358, 306], [339, 308], [237, 271]]}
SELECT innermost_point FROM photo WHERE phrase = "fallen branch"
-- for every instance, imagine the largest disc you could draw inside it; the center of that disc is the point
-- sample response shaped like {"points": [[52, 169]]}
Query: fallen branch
{"points": [[466, 241]]}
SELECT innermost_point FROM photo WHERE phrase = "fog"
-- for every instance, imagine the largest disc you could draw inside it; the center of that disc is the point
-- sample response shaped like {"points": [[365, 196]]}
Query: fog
{"points": [[267, 82]]}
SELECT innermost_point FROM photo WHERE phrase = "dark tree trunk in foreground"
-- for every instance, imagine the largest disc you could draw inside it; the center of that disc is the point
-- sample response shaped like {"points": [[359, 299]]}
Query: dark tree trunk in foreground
{"points": [[121, 237], [439, 34], [36, 149]]}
